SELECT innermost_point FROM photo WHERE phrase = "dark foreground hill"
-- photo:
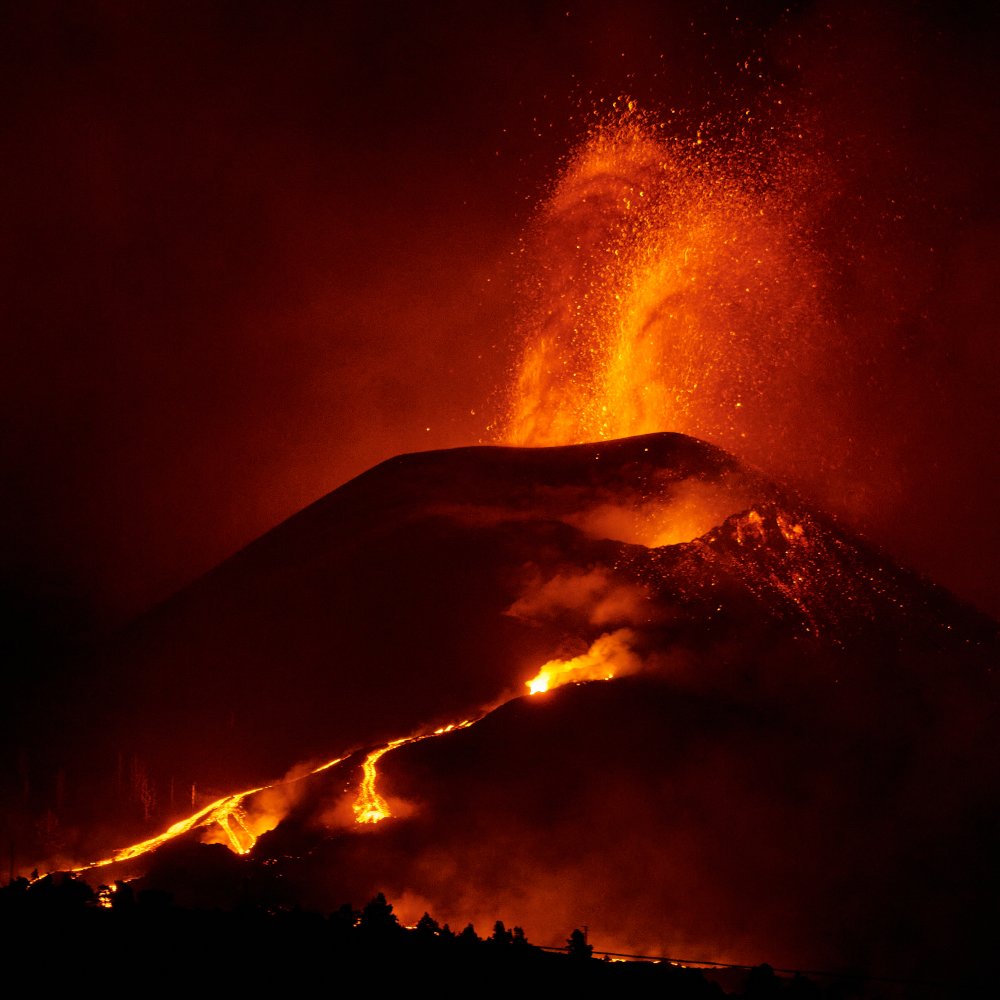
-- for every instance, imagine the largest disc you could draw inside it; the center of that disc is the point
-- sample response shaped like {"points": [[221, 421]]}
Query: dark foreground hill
{"points": [[136, 938], [796, 759]]}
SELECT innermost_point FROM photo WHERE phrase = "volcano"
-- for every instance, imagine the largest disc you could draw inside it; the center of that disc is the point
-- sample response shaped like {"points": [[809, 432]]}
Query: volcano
{"points": [[760, 738]]}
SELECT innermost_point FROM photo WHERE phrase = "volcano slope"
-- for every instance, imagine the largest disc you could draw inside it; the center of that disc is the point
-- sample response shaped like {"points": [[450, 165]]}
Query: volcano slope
{"points": [[794, 761]]}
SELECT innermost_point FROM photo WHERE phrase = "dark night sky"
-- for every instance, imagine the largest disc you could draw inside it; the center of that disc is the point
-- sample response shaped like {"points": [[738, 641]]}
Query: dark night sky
{"points": [[253, 248]]}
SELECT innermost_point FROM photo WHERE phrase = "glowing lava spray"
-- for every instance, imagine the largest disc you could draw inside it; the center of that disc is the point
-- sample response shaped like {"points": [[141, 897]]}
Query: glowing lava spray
{"points": [[673, 286]]}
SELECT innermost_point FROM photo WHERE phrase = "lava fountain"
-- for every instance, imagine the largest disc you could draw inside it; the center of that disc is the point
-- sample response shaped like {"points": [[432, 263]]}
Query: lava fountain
{"points": [[673, 287]]}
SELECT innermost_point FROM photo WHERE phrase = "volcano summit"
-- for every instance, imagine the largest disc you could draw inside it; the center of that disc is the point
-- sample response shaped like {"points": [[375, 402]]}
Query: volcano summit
{"points": [[787, 751]]}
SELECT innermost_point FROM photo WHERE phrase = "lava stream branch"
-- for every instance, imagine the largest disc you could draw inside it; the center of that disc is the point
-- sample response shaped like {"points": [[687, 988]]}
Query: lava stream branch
{"points": [[369, 806], [224, 813]]}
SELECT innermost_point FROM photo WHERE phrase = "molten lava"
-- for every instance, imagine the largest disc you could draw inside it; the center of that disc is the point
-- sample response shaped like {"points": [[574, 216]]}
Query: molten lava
{"points": [[225, 821], [222, 812], [673, 288], [369, 806], [610, 656]]}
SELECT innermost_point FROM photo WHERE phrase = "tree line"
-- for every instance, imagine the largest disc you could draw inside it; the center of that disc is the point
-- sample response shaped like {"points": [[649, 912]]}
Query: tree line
{"points": [[60, 926]]}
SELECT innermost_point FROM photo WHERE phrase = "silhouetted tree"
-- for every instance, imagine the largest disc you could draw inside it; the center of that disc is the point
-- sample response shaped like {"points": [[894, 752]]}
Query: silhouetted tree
{"points": [[501, 936], [469, 935], [13, 896], [377, 921], [577, 946], [343, 920], [142, 788], [427, 928], [62, 891]]}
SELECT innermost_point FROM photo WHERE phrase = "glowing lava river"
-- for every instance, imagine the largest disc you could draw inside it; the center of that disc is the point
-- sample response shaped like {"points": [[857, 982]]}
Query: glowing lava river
{"points": [[228, 821]]}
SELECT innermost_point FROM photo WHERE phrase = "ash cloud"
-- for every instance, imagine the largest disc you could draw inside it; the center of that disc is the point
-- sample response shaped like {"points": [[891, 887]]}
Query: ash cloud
{"points": [[593, 596]]}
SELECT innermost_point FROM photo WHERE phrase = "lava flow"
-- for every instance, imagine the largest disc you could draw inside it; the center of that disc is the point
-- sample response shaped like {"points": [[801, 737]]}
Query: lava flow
{"points": [[227, 814], [369, 806], [609, 656]]}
